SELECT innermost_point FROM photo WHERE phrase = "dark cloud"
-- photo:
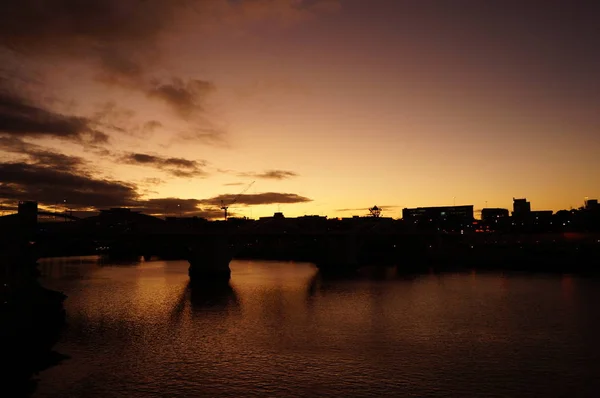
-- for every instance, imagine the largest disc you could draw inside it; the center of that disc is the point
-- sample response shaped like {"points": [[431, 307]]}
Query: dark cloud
{"points": [[151, 125], [120, 36], [257, 199], [19, 118], [49, 177], [17, 145], [153, 181], [187, 98], [106, 28], [23, 181], [57, 160], [177, 167], [39, 155], [184, 97], [47, 184], [271, 174], [98, 150], [209, 136], [232, 184]]}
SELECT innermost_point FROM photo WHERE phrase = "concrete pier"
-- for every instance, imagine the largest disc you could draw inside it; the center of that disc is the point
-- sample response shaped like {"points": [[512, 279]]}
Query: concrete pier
{"points": [[209, 260]]}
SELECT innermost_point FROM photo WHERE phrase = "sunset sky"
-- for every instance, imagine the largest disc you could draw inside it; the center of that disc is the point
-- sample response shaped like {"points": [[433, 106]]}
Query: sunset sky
{"points": [[331, 106]]}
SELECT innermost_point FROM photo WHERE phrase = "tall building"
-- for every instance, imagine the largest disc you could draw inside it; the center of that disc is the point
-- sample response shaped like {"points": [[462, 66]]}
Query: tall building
{"points": [[28, 212], [521, 208]]}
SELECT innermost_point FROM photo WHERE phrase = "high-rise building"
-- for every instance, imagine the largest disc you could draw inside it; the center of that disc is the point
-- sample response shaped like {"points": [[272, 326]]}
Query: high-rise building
{"points": [[521, 208]]}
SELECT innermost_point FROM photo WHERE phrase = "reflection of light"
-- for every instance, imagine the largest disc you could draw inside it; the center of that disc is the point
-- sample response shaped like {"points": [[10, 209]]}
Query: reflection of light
{"points": [[566, 283]]}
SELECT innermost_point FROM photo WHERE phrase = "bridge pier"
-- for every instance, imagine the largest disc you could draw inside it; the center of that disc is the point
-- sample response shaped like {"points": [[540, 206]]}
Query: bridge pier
{"points": [[209, 260]]}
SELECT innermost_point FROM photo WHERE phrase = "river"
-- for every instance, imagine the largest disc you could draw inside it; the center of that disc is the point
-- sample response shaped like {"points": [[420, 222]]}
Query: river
{"points": [[281, 330]]}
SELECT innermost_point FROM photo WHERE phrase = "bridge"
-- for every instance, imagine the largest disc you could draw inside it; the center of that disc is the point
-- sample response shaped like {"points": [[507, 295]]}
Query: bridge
{"points": [[332, 245], [209, 247]]}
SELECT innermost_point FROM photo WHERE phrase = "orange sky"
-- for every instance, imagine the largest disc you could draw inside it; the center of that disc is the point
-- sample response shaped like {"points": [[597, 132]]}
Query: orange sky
{"points": [[331, 106]]}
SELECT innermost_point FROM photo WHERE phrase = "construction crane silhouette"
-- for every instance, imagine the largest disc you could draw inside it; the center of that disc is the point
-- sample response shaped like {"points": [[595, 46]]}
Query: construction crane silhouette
{"points": [[226, 207]]}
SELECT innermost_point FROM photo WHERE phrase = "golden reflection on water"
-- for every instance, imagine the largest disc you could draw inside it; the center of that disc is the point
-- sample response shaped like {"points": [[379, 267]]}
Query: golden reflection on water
{"points": [[282, 326]]}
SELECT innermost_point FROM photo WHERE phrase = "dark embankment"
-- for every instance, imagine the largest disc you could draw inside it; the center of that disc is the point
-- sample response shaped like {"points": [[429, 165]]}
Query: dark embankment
{"points": [[31, 317]]}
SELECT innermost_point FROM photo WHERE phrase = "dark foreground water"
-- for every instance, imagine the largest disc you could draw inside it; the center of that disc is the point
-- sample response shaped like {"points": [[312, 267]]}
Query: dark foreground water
{"points": [[282, 331]]}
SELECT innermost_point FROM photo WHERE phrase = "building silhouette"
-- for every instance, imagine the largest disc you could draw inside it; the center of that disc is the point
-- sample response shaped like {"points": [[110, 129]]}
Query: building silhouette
{"points": [[444, 218], [591, 204], [521, 208], [464, 213], [493, 214]]}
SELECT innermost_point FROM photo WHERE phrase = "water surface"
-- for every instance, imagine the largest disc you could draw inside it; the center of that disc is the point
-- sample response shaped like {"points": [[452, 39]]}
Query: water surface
{"points": [[280, 329]]}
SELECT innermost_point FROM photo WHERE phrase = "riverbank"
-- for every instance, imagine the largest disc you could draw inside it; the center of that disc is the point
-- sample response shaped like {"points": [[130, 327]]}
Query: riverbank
{"points": [[31, 316]]}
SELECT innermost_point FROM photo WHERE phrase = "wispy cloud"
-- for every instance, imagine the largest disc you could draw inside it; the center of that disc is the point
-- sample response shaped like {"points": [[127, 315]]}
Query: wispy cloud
{"points": [[177, 167], [270, 174], [184, 97], [257, 199]]}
